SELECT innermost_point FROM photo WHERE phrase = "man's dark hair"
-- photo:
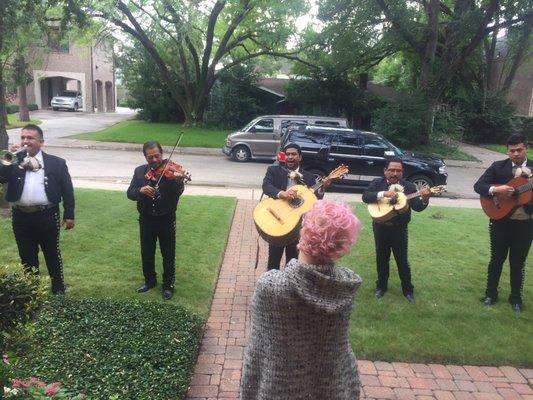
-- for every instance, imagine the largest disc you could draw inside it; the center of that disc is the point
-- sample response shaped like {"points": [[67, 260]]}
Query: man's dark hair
{"points": [[150, 145], [35, 128], [293, 146], [393, 159], [515, 139]]}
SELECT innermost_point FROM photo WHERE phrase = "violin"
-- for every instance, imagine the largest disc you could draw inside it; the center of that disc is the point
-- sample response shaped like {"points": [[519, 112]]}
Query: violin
{"points": [[169, 170]]}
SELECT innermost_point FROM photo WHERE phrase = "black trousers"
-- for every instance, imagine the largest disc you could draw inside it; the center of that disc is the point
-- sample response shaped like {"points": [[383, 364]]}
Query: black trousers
{"points": [[275, 253], [40, 229], [162, 228], [395, 238], [513, 238]]}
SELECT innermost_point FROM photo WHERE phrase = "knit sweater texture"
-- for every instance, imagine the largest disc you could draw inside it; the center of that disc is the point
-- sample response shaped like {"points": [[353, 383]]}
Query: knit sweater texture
{"points": [[299, 346]]}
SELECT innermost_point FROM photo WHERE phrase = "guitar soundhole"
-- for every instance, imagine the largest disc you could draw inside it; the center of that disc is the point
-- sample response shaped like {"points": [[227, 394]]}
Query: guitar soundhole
{"points": [[297, 202]]}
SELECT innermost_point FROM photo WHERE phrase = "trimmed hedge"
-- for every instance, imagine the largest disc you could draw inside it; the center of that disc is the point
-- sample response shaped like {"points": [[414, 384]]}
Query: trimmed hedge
{"points": [[125, 349], [14, 108]]}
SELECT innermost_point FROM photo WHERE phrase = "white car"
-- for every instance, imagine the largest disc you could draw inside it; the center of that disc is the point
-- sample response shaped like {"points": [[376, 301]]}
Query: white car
{"points": [[69, 99]]}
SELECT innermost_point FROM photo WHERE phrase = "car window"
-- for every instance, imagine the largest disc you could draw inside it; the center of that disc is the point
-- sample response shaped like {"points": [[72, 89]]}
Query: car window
{"points": [[264, 125], [327, 123], [304, 137], [288, 124], [376, 146], [69, 93], [347, 144]]}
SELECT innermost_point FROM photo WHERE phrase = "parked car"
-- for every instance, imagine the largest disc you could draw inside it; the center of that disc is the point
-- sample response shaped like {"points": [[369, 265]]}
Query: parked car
{"points": [[364, 153], [69, 99], [260, 138]]}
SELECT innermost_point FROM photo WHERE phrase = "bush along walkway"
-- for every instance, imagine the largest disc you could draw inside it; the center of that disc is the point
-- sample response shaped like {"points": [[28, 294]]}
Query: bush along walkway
{"points": [[218, 370]]}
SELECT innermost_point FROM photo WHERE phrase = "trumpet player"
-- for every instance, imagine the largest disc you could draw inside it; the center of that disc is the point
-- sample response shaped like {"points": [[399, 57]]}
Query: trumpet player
{"points": [[37, 183]]}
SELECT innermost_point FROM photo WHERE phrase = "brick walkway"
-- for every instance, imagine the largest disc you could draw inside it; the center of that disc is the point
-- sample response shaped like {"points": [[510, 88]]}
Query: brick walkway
{"points": [[218, 370]]}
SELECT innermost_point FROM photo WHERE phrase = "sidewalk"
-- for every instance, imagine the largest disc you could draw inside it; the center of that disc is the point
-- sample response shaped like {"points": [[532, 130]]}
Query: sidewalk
{"points": [[218, 369]]}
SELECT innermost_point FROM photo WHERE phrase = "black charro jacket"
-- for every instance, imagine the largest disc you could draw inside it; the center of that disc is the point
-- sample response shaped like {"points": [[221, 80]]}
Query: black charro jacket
{"points": [[275, 181], [500, 172], [380, 184], [57, 183], [170, 191]]}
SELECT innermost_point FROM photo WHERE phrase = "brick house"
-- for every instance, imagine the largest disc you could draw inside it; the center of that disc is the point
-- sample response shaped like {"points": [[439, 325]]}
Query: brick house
{"points": [[73, 66], [521, 92]]}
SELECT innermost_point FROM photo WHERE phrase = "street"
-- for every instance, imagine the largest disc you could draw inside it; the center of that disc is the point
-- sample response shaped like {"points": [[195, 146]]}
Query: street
{"points": [[111, 165]]}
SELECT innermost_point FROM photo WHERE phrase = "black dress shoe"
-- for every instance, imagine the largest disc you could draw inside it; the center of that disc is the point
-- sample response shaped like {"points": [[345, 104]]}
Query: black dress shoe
{"points": [[146, 287], [409, 297], [488, 301], [517, 308], [379, 294], [167, 294]]}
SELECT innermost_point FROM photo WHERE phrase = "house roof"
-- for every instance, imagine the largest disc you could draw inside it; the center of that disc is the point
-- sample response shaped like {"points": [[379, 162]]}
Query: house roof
{"points": [[276, 86]]}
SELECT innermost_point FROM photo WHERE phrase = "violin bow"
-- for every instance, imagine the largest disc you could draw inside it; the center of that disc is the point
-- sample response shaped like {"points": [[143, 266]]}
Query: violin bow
{"points": [[168, 159]]}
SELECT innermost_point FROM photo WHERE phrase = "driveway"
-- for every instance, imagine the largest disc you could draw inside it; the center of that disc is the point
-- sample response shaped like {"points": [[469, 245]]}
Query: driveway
{"points": [[58, 124]]}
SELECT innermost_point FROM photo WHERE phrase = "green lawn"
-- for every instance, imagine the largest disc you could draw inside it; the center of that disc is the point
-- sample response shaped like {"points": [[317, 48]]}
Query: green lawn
{"points": [[444, 151], [448, 251], [102, 256], [13, 121], [166, 133], [501, 148]]}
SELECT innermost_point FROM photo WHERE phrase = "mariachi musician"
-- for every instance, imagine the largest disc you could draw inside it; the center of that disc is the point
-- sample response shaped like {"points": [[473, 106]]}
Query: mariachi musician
{"points": [[157, 189], [511, 235], [277, 184]]}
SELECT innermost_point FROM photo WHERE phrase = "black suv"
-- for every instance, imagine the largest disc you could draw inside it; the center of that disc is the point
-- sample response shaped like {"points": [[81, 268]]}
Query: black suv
{"points": [[364, 153]]}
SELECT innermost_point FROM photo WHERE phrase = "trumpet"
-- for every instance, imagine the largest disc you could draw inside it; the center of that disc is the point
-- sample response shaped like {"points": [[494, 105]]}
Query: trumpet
{"points": [[10, 158]]}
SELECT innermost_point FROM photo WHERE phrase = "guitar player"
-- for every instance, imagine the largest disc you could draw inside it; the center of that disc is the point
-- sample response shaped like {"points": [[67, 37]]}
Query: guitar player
{"points": [[511, 235], [277, 183], [393, 234]]}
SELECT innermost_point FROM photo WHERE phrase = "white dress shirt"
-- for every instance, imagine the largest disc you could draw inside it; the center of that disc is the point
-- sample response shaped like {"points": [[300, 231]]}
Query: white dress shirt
{"points": [[33, 193]]}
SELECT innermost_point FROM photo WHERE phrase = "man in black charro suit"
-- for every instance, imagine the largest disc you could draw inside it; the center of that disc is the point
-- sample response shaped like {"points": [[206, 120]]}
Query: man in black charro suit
{"points": [[35, 192], [511, 235], [157, 218], [277, 183], [393, 234]]}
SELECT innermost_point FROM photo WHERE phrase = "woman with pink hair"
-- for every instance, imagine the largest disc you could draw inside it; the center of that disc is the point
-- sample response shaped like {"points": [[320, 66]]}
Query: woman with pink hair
{"points": [[299, 346]]}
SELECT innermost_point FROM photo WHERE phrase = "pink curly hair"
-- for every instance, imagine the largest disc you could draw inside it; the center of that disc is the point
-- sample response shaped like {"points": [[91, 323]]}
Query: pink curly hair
{"points": [[329, 229]]}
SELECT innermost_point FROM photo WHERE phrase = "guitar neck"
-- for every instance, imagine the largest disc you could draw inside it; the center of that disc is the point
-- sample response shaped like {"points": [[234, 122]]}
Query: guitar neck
{"points": [[413, 195], [525, 187]]}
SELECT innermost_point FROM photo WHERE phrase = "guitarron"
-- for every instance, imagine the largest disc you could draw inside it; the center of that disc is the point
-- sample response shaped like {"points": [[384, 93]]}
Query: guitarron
{"points": [[387, 208], [501, 207], [278, 221]]}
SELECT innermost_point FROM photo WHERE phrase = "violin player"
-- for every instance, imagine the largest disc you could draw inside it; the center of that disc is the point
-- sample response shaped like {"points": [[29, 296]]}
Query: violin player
{"points": [[157, 190]]}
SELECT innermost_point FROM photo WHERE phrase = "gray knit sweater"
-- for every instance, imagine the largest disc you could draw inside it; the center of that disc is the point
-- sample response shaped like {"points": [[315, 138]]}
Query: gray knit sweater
{"points": [[299, 345]]}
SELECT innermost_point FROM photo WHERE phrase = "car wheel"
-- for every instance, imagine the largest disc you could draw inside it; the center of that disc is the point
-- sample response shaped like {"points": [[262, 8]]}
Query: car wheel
{"points": [[420, 181], [55, 108], [241, 154]]}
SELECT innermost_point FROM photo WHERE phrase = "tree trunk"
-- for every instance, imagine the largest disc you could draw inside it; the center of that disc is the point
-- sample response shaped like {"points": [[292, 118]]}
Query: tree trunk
{"points": [[429, 119], [24, 113], [3, 114]]}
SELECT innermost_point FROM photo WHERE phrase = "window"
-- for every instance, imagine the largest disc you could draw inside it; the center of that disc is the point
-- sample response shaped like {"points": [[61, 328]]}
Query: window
{"points": [[327, 123], [264, 125], [304, 137], [287, 124], [376, 146], [57, 42], [347, 144]]}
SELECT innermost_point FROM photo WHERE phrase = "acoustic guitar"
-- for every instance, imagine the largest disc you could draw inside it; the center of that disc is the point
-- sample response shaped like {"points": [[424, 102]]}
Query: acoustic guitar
{"points": [[499, 207], [387, 208], [278, 221]]}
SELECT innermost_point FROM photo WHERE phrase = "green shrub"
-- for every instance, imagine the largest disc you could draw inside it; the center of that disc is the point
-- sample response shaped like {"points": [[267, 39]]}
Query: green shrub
{"points": [[127, 349], [14, 108], [20, 298], [487, 117]]}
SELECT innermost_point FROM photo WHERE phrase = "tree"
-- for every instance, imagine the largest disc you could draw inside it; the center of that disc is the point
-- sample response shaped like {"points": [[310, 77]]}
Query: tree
{"points": [[440, 35], [193, 41]]}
